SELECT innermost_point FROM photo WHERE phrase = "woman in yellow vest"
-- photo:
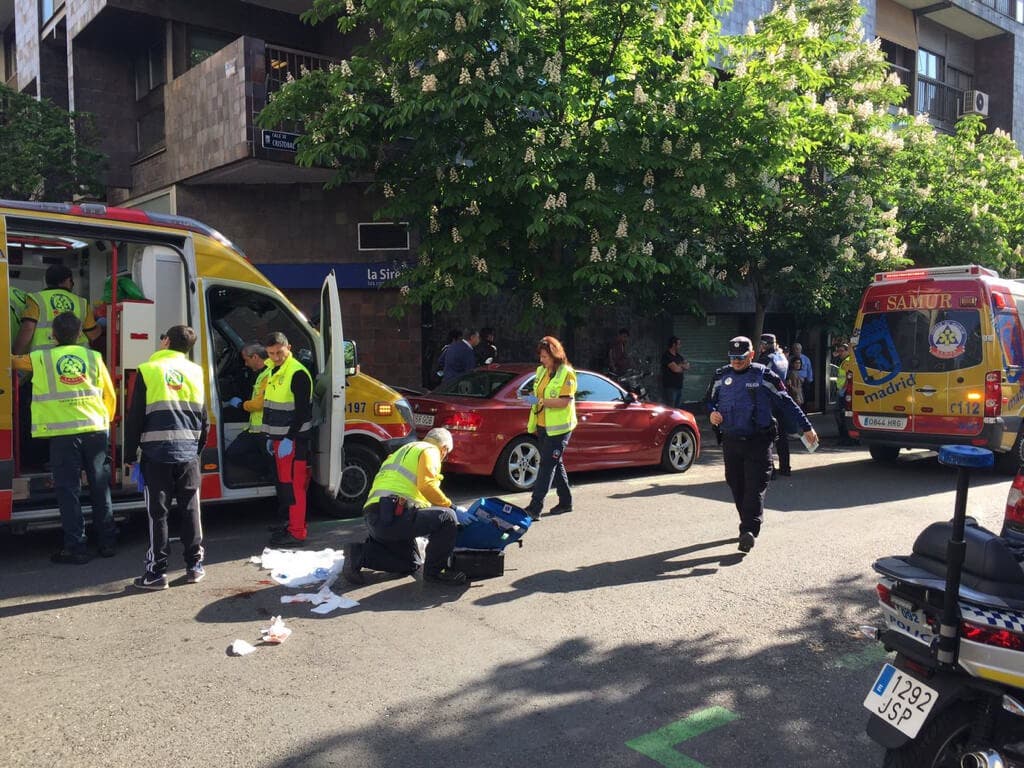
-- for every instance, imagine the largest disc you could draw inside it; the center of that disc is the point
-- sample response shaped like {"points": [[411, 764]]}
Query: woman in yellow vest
{"points": [[552, 420]]}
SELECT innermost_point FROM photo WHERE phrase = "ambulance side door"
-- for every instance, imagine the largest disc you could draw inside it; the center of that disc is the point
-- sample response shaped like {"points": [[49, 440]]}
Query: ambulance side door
{"points": [[330, 391], [6, 386]]}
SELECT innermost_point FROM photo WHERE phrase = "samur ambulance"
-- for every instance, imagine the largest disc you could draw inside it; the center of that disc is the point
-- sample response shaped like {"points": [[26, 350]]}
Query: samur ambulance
{"points": [[938, 358], [190, 274]]}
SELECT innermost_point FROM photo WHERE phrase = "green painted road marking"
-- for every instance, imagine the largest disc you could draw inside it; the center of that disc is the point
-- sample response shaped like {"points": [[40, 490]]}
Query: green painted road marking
{"points": [[873, 654], [660, 745]]}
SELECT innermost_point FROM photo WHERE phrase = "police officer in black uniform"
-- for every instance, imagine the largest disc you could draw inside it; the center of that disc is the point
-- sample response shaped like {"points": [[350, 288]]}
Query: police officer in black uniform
{"points": [[744, 399]]}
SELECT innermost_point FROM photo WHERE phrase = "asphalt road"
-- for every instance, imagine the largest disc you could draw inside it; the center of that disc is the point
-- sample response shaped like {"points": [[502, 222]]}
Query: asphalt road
{"points": [[628, 633]]}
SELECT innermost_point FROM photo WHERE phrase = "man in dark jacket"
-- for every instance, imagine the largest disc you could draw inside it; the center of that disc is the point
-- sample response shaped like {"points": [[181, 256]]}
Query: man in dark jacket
{"points": [[460, 357], [167, 424]]}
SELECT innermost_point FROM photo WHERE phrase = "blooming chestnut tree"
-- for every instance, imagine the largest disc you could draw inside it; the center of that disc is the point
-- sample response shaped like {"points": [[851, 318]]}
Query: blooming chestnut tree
{"points": [[959, 195], [805, 105], [556, 149]]}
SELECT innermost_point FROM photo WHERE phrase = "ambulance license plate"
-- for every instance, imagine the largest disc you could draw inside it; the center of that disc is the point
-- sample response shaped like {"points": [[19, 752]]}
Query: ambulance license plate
{"points": [[423, 419], [883, 422], [900, 700]]}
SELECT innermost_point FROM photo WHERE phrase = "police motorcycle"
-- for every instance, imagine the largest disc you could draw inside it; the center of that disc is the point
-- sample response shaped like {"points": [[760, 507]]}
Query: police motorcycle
{"points": [[633, 381], [954, 694]]}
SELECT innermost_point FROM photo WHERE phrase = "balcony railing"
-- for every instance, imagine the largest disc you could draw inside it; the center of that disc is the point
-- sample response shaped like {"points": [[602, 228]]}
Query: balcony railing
{"points": [[282, 62], [1005, 7], [941, 102]]}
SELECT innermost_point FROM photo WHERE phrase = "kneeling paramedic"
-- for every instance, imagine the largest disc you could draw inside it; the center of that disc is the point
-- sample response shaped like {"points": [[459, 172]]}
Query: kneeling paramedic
{"points": [[743, 401], [406, 501]]}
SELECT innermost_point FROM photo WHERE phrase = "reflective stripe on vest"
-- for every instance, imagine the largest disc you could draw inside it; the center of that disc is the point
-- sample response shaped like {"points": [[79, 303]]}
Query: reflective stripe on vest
{"points": [[278, 400], [67, 392], [174, 400], [53, 302], [557, 421], [258, 388], [397, 477]]}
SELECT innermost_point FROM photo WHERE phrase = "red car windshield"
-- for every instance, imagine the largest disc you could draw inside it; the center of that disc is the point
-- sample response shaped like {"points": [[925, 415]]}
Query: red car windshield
{"points": [[476, 384]]}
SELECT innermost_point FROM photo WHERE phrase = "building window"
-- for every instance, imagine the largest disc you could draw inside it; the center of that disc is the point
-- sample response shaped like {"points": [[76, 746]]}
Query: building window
{"points": [[929, 64], [383, 237], [202, 45], [149, 71], [47, 9], [939, 100], [150, 130], [10, 60]]}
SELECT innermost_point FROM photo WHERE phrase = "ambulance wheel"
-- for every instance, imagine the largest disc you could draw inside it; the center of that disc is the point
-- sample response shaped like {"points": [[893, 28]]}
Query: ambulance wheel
{"points": [[885, 454], [679, 451], [362, 463], [518, 465], [1007, 463]]}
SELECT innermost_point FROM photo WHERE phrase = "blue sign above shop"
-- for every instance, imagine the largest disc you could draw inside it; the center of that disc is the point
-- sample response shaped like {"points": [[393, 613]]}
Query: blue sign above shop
{"points": [[353, 276]]}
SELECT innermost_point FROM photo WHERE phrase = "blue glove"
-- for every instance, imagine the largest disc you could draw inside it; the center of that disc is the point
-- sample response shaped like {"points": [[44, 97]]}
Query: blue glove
{"points": [[530, 399], [135, 475], [235, 402], [462, 515], [270, 447], [285, 448]]}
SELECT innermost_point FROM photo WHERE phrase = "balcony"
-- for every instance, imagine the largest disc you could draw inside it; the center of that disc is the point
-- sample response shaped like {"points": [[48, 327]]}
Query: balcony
{"points": [[907, 81], [942, 103], [210, 127]]}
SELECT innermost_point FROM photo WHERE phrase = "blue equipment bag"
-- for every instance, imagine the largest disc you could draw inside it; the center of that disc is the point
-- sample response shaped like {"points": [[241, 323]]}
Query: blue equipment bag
{"points": [[492, 524]]}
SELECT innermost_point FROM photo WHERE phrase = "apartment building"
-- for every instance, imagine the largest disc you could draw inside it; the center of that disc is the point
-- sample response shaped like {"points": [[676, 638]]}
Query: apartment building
{"points": [[176, 86]]}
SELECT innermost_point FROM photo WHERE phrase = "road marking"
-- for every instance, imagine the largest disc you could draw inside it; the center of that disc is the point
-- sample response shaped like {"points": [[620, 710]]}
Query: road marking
{"points": [[873, 654], [660, 745]]}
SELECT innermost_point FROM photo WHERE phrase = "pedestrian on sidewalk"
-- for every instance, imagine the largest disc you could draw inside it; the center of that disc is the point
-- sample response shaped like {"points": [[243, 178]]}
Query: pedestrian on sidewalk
{"points": [[745, 396]]}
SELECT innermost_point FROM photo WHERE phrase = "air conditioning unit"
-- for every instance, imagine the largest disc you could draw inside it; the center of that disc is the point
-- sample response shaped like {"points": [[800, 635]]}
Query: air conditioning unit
{"points": [[975, 103]]}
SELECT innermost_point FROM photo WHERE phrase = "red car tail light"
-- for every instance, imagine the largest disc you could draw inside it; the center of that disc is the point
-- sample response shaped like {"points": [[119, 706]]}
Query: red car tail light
{"points": [[1000, 638], [462, 421], [993, 394], [1014, 514]]}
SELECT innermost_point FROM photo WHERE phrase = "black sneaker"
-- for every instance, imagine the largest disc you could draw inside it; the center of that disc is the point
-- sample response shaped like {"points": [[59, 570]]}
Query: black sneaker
{"points": [[285, 539], [70, 557], [746, 541], [350, 569], [151, 581], [445, 576], [535, 516], [560, 509], [195, 573], [277, 527]]}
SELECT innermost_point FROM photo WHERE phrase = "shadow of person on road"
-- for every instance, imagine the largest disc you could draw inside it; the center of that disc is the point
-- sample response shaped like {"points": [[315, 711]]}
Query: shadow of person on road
{"points": [[659, 566]]}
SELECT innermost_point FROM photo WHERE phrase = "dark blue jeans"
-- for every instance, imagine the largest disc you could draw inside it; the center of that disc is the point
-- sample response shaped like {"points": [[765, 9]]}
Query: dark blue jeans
{"points": [[673, 397], [552, 470], [69, 455]]}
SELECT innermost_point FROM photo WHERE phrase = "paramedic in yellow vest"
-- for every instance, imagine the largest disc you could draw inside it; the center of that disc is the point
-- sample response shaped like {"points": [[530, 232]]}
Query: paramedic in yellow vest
{"points": [[552, 420], [167, 425], [842, 354], [288, 427], [41, 308], [73, 401], [248, 452], [406, 501]]}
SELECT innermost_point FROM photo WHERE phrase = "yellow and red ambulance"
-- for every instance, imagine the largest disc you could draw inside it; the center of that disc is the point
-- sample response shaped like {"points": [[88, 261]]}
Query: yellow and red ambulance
{"points": [[938, 358], [187, 273]]}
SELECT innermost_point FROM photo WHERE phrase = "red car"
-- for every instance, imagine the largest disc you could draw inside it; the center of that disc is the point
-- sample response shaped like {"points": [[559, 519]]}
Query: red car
{"points": [[487, 419]]}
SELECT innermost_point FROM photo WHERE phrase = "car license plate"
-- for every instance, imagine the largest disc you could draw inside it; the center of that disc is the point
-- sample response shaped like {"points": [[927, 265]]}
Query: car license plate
{"points": [[423, 419], [883, 422], [900, 700]]}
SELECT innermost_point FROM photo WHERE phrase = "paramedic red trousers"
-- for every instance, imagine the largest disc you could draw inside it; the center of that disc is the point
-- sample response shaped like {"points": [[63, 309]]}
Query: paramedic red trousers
{"points": [[292, 480]]}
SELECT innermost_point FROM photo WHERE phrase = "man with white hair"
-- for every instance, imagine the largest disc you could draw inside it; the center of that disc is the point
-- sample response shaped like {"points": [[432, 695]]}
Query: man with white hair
{"points": [[406, 501]]}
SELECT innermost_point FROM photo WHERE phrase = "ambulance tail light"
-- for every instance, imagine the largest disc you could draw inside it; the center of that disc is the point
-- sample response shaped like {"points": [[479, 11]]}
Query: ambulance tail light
{"points": [[462, 421], [993, 394]]}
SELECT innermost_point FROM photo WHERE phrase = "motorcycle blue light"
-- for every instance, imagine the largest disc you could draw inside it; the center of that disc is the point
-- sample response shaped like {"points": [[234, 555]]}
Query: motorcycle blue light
{"points": [[969, 456]]}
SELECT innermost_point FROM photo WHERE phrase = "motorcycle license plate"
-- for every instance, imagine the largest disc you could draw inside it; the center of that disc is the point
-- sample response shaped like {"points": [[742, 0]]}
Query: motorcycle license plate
{"points": [[900, 700]]}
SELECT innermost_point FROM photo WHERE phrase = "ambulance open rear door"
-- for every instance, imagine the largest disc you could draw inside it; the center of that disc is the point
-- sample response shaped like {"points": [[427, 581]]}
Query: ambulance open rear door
{"points": [[329, 392]]}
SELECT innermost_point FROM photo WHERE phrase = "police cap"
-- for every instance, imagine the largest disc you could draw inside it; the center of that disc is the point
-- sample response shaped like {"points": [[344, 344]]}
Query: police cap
{"points": [[768, 338], [740, 346]]}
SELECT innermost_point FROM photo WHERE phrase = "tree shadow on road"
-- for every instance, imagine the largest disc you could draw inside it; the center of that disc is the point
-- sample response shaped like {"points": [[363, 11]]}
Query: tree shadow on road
{"points": [[659, 566], [795, 699]]}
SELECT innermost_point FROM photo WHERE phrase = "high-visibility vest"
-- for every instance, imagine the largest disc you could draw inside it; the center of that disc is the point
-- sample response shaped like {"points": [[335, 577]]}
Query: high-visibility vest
{"points": [[18, 300], [557, 421], [398, 475], [53, 302], [67, 392], [279, 402], [842, 373], [175, 401], [258, 388]]}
